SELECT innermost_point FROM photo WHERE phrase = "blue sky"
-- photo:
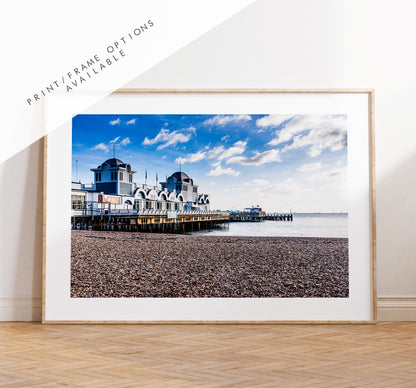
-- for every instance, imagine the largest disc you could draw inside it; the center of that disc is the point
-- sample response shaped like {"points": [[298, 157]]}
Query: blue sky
{"points": [[279, 162]]}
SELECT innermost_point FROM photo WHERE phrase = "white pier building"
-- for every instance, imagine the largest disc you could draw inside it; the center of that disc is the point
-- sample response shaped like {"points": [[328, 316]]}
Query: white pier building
{"points": [[114, 189]]}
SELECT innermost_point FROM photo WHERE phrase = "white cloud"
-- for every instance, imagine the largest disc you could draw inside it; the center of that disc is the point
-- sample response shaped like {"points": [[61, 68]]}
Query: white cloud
{"points": [[191, 158], [337, 172], [167, 138], [322, 190], [238, 148], [325, 131], [286, 187], [212, 154], [114, 122], [310, 167], [130, 122], [111, 143], [221, 153], [227, 119], [257, 182], [232, 189], [225, 138], [223, 171], [272, 120], [125, 141], [191, 129], [319, 139], [100, 146], [329, 176], [258, 159]]}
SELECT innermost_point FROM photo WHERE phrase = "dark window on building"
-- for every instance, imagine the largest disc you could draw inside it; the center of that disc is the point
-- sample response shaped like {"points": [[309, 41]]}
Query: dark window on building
{"points": [[77, 201], [120, 176], [113, 175], [130, 178], [178, 188], [97, 176], [185, 188], [195, 189]]}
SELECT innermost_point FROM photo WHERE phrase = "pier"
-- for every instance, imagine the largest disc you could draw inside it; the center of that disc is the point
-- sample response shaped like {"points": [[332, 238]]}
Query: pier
{"points": [[132, 220], [279, 217], [247, 216], [258, 216], [97, 216]]}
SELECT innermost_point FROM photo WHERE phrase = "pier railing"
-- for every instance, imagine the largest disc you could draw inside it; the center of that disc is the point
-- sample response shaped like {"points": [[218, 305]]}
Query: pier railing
{"points": [[87, 212], [259, 216], [180, 212], [279, 217]]}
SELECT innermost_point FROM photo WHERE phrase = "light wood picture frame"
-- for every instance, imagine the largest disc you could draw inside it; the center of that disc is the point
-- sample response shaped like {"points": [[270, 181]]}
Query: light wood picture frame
{"points": [[321, 132]]}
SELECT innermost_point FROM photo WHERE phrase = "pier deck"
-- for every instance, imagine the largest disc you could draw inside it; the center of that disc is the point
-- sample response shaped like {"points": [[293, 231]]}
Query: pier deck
{"points": [[279, 217], [147, 220]]}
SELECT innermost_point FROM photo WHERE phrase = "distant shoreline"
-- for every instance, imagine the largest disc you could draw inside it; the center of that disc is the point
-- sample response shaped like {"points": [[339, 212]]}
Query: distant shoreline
{"points": [[318, 213]]}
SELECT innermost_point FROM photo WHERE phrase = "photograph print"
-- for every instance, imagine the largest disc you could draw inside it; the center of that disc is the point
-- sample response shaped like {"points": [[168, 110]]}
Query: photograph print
{"points": [[209, 206]]}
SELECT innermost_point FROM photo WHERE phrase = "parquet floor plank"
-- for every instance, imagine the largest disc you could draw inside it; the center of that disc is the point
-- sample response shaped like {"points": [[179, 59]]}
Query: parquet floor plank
{"points": [[324, 356]]}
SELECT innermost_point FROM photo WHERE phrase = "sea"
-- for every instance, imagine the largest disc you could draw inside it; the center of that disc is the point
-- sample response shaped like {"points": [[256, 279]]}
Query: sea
{"points": [[303, 225]]}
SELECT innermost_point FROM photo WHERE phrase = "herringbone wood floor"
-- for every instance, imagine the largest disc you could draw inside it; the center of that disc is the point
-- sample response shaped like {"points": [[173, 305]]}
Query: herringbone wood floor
{"points": [[382, 355]]}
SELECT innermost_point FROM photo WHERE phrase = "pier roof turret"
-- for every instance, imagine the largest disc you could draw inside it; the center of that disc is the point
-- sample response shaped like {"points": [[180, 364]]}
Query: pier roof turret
{"points": [[180, 176], [113, 162]]}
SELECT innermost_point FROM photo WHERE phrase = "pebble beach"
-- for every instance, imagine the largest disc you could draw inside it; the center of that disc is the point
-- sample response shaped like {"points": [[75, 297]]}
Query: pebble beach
{"points": [[126, 264]]}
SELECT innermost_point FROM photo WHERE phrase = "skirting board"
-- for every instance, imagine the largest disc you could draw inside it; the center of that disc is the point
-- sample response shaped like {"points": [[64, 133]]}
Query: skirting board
{"points": [[20, 308], [389, 308], [396, 308]]}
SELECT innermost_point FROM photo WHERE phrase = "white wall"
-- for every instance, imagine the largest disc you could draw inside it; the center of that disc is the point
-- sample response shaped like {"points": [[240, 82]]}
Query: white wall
{"points": [[21, 212], [273, 44]]}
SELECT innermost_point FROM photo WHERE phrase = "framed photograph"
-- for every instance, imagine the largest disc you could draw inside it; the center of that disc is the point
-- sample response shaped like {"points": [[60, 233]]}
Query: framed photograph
{"points": [[211, 206]]}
